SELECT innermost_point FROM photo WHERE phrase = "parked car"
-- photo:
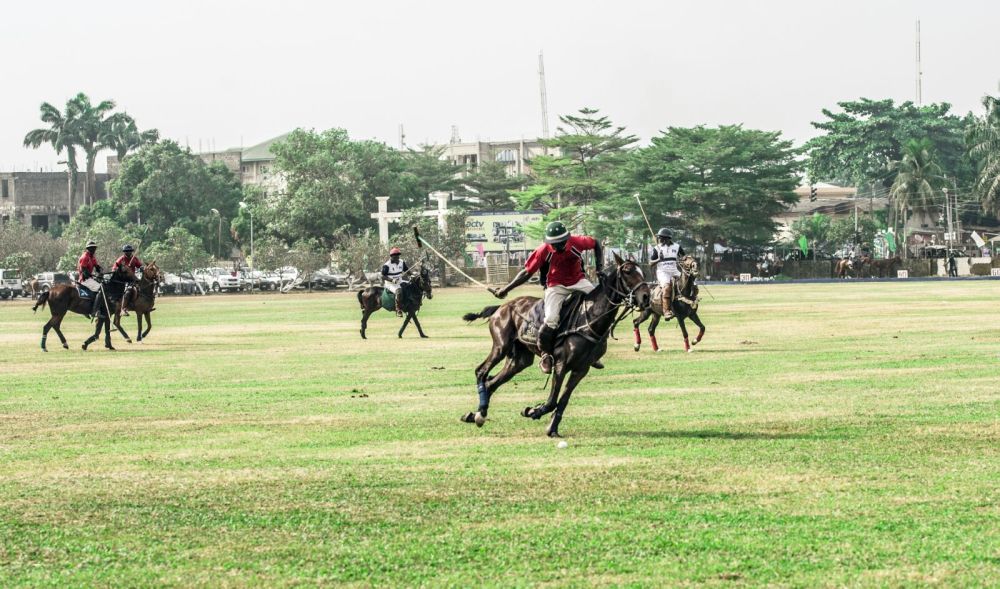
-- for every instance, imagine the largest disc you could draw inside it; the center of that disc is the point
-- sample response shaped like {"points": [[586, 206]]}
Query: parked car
{"points": [[260, 280], [183, 284], [220, 279], [47, 280], [10, 284]]}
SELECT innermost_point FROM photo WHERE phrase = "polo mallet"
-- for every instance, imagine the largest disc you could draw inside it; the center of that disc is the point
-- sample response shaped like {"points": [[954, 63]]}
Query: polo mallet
{"points": [[421, 242]]}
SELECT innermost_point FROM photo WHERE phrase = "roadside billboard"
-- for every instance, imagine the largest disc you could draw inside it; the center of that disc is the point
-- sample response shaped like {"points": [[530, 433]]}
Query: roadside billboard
{"points": [[500, 231]]}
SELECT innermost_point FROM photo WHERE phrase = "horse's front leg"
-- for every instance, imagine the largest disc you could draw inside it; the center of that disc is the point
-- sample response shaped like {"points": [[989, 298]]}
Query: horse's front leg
{"points": [[684, 332], [701, 328], [149, 324], [553, 430], [536, 412], [365, 314], [118, 326], [409, 316], [420, 330], [635, 327]]}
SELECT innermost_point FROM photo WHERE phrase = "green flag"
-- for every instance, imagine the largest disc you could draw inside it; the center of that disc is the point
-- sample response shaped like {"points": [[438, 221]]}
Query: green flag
{"points": [[804, 245], [890, 241]]}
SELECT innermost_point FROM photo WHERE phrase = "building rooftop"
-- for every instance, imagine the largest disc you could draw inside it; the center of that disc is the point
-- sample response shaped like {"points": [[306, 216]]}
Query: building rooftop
{"points": [[262, 151]]}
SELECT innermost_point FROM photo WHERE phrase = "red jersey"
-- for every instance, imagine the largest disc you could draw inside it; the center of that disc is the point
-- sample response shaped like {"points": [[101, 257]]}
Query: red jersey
{"points": [[88, 263], [565, 267], [124, 262]]}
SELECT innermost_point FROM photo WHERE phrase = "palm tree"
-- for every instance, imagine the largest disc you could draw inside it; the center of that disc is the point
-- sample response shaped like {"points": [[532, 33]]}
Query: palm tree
{"points": [[123, 136], [61, 134], [91, 125], [984, 147], [918, 178]]}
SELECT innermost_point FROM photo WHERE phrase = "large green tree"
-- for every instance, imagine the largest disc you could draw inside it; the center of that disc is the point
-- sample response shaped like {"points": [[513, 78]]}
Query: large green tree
{"points": [[178, 251], [109, 235], [61, 134], [581, 170], [164, 185], [91, 124], [28, 250], [490, 187], [864, 136], [984, 147], [425, 172], [715, 183]]}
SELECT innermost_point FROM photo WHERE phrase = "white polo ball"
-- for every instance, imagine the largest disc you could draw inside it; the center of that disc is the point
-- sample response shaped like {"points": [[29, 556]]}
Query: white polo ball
{"points": [[562, 444]]}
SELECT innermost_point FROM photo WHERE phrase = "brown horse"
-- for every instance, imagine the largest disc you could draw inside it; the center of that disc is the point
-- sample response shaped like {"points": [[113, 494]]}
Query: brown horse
{"points": [[848, 267], [582, 342], [65, 298], [684, 306], [886, 266], [412, 293], [141, 299]]}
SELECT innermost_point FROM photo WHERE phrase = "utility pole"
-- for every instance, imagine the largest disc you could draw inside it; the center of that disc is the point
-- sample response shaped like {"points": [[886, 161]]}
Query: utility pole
{"points": [[947, 211]]}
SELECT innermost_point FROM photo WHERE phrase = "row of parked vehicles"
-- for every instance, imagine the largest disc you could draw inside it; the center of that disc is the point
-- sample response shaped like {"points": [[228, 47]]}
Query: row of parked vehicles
{"points": [[201, 281]]}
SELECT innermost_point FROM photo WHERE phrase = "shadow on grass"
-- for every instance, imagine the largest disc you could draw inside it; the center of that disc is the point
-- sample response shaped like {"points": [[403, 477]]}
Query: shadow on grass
{"points": [[729, 435]]}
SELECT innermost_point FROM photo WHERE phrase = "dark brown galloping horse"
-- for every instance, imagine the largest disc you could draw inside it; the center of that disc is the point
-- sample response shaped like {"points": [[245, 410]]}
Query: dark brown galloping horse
{"points": [[140, 299], [64, 298], [412, 293], [684, 306], [583, 341]]}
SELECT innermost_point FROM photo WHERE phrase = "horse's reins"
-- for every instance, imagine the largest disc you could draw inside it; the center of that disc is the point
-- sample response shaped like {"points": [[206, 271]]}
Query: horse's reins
{"points": [[626, 297]]}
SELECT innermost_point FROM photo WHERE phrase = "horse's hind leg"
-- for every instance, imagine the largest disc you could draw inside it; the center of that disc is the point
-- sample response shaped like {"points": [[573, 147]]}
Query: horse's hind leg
{"points": [[652, 332], [118, 326], [45, 332], [701, 328], [420, 330], [482, 376], [365, 314], [57, 325], [553, 430]]}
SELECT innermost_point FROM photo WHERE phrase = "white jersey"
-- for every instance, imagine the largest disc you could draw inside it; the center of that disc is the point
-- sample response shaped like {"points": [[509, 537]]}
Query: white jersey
{"points": [[393, 272], [665, 256]]}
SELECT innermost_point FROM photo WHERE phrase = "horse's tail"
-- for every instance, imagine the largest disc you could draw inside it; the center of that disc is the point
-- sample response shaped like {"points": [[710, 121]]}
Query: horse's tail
{"points": [[42, 299], [484, 314], [360, 301]]}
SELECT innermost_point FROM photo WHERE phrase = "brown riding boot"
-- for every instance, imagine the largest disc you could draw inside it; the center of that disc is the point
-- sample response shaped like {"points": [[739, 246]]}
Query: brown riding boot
{"points": [[546, 344], [399, 310], [667, 300]]}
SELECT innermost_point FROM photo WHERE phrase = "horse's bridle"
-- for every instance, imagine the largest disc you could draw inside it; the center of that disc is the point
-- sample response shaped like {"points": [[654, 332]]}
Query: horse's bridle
{"points": [[621, 290]]}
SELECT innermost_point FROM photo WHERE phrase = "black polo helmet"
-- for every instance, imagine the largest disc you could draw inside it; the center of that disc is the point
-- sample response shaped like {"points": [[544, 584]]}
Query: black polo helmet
{"points": [[127, 248], [91, 244], [556, 232], [664, 232]]}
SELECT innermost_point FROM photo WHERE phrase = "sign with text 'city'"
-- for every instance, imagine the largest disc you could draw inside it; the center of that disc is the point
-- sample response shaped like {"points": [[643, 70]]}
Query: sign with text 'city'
{"points": [[500, 231]]}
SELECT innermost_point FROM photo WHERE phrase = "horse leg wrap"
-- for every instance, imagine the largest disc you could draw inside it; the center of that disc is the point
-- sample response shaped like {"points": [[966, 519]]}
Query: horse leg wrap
{"points": [[701, 334], [687, 345], [652, 340], [638, 338], [484, 396], [44, 337]]}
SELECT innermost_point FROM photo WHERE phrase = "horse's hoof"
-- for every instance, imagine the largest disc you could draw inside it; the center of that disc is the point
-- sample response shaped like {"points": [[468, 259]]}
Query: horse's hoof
{"points": [[468, 418], [422, 336], [635, 347], [65, 346], [130, 341], [552, 433], [690, 350], [479, 419], [526, 412]]}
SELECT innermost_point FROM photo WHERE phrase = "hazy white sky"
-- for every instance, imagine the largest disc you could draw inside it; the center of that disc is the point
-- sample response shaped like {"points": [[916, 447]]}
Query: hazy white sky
{"points": [[232, 71]]}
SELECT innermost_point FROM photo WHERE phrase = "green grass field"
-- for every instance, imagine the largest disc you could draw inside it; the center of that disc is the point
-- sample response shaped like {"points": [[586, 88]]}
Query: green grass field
{"points": [[821, 435]]}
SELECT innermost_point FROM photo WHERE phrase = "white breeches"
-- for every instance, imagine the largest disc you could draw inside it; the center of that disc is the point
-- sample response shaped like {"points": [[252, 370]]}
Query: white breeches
{"points": [[666, 275], [556, 295]]}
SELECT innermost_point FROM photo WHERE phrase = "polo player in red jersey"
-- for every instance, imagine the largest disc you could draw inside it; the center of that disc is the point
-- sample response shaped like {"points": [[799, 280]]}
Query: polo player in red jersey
{"points": [[562, 253], [128, 259]]}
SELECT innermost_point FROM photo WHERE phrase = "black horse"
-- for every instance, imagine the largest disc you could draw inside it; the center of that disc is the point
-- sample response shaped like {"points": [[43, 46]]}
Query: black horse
{"points": [[684, 306], [582, 342], [412, 292]]}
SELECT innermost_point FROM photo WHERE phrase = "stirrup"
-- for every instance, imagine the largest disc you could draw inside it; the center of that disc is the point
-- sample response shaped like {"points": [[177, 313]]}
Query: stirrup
{"points": [[546, 364]]}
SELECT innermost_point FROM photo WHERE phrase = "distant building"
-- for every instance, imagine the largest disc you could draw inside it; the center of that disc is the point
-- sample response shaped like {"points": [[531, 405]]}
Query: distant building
{"points": [[516, 155], [833, 201], [41, 199]]}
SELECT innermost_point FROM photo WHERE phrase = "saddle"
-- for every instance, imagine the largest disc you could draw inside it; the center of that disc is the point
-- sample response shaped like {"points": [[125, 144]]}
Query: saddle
{"points": [[693, 302], [528, 333]]}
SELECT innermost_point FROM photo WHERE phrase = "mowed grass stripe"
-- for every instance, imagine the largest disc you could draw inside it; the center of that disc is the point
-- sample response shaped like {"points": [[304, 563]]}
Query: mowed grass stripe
{"points": [[821, 435]]}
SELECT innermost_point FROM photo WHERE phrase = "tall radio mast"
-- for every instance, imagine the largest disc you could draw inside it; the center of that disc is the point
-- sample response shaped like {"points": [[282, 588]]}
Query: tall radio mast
{"points": [[545, 99], [920, 71]]}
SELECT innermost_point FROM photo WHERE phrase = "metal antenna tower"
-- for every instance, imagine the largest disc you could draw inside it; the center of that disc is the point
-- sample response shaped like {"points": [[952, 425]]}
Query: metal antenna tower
{"points": [[455, 137], [545, 98], [402, 137], [920, 71]]}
